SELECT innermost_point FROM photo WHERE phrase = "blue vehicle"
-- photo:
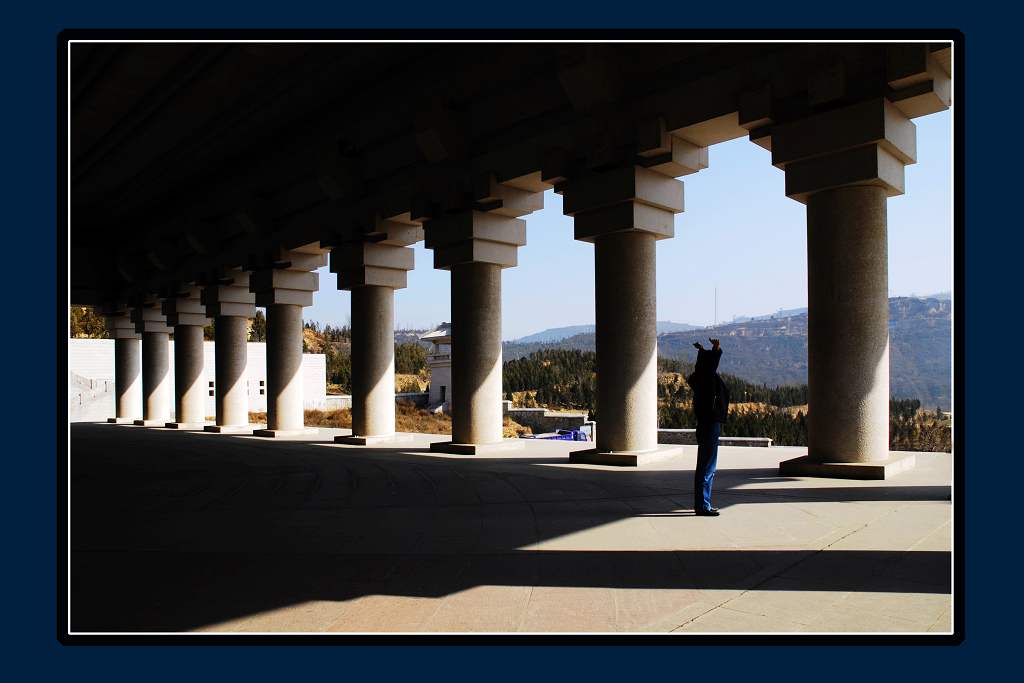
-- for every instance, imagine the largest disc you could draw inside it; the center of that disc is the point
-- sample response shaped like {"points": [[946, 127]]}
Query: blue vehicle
{"points": [[560, 435]]}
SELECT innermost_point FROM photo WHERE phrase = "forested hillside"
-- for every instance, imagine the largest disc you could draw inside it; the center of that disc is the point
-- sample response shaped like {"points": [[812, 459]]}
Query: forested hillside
{"points": [[563, 379], [336, 344], [774, 352]]}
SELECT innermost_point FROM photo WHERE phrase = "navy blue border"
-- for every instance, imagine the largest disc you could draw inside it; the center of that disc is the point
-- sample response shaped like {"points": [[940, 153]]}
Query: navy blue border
{"points": [[469, 660]]}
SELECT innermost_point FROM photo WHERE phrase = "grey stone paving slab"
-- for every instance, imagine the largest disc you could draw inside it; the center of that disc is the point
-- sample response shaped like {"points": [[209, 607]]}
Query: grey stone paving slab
{"points": [[175, 531]]}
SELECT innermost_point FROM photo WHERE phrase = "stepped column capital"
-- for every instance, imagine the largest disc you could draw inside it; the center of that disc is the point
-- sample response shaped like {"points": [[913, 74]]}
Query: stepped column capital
{"points": [[624, 199], [359, 264], [228, 295], [185, 308], [867, 143], [148, 317]]}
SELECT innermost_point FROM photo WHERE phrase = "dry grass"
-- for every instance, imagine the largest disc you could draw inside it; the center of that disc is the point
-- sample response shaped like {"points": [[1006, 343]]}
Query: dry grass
{"points": [[510, 429], [332, 419], [408, 418]]}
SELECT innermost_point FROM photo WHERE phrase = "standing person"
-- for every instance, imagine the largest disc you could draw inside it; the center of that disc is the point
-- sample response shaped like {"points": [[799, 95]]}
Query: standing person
{"points": [[711, 405]]}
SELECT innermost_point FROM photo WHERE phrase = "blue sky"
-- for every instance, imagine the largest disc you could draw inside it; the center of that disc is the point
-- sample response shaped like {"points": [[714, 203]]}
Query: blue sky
{"points": [[751, 239]]}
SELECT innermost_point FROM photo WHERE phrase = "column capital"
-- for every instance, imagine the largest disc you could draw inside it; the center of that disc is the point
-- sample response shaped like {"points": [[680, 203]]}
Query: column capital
{"points": [[626, 199], [276, 286], [665, 153], [150, 318], [186, 309], [867, 143], [623, 184], [229, 295], [475, 237], [360, 264], [391, 232], [120, 326]]}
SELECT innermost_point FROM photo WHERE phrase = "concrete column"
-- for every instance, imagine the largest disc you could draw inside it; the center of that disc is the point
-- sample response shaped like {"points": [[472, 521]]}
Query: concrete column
{"points": [[373, 361], [156, 377], [373, 271], [284, 367], [231, 334], [475, 246], [843, 164], [847, 325], [476, 353], [189, 391], [187, 316], [127, 378], [627, 342], [624, 212], [228, 301], [127, 363], [283, 285], [151, 323]]}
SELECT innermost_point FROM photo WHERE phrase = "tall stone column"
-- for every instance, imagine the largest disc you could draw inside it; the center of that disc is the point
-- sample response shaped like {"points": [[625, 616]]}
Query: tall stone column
{"points": [[475, 245], [284, 369], [127, 365], [476, 353], [151, 323], [373, 361], [626, 340], [843, 164], [284, 289], [187, 316], [230, 304], [373, 271], [624, 212]]}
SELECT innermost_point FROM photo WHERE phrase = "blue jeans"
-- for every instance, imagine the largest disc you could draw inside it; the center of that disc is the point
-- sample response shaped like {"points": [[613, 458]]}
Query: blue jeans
{"points": [[707, 461]]}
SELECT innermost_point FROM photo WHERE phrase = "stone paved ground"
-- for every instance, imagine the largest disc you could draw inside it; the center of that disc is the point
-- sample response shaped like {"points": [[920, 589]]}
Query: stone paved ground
{"points": [[177, 531]]}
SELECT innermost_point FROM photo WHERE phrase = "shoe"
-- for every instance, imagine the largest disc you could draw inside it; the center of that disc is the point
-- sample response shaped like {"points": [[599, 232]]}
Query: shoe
{"points": [[711, 512]]}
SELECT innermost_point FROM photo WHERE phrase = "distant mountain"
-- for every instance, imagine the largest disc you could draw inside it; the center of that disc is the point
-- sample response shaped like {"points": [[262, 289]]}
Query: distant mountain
{"points": [[559, 333], [779, 314], [773, 351]]}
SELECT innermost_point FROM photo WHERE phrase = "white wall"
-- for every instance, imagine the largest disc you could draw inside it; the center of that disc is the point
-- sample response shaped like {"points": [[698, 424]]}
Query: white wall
{"points": [[94, 359]]}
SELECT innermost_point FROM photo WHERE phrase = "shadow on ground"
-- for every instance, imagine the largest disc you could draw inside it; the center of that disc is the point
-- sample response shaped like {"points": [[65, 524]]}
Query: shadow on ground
{"points": [[172, 532]]}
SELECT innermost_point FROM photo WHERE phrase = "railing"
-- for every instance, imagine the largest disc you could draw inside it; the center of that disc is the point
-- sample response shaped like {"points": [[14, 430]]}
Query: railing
{"points": [[95, 388]]}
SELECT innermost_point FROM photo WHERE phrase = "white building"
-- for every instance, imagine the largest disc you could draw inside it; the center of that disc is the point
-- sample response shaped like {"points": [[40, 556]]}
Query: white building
{"points": [[439, 362]]}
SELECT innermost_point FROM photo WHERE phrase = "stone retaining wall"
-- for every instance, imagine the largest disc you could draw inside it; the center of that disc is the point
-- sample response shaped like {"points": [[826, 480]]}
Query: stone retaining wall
{"points": [[688, 437]]}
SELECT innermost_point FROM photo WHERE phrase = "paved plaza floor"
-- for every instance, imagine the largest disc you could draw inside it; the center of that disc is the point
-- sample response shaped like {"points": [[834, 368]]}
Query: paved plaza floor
{"points": [[194, 532]]}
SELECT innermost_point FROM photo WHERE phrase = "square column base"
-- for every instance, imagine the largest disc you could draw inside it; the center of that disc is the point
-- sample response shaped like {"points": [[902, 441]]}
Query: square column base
{"points": [[592, 456], [121, 420], [149, 423], [233, 429], [399, 437], [185, 425], [283, 433], [875, 469], [477, 448]]}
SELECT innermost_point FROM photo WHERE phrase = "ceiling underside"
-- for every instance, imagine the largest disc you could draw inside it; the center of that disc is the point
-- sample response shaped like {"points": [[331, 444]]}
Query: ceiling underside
{"points": [[188, 158]]}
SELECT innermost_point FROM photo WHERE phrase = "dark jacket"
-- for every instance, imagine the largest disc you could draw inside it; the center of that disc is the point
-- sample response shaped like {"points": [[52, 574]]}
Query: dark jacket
{"points": [[710, 395]]}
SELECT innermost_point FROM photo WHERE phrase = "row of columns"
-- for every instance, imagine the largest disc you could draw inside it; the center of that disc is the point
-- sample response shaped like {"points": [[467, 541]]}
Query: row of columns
{"points": [[141, 361], [842, 164]]}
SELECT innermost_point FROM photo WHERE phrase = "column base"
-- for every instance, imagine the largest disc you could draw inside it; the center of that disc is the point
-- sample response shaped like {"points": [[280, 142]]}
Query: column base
{"points": [[185, 425], [150, 423], [875, 469], [398, 437], [121, 420], [284, 433], [477, 448], [592, 456], [233, 429]]}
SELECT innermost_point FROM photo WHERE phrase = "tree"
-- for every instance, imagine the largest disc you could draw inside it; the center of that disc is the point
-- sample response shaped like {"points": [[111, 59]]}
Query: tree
{"points": [[258, 332], [84, 324]]}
